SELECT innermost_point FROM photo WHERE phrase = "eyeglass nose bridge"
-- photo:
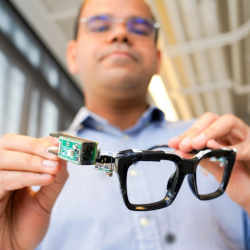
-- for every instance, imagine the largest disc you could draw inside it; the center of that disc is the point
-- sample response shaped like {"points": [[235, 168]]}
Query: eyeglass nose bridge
{"points": [[188, 166], [120, 20], [124, 22]]}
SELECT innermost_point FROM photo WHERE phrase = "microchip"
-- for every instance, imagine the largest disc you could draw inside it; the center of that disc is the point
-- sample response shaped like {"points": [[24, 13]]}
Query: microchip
{"points": [[77, 150]]}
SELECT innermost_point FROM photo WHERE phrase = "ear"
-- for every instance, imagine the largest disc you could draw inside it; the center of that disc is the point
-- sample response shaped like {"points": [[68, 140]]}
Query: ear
{"points": [[71, 57], [158, 60]]}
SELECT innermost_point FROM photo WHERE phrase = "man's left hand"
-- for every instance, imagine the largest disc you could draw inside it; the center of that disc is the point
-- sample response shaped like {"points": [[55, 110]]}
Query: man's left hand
{"points": [[214, 131]]}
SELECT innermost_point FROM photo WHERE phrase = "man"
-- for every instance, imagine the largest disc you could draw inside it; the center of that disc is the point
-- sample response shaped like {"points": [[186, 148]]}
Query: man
{"points": [[115, 63]]}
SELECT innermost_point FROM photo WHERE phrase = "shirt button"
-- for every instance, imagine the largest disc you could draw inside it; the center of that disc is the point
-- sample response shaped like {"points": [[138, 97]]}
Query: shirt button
{"points": [[170, 238], [144, 221]]}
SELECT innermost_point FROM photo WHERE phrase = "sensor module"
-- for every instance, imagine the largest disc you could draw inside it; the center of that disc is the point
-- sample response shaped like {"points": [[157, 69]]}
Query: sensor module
{"points": [[76, 150]]}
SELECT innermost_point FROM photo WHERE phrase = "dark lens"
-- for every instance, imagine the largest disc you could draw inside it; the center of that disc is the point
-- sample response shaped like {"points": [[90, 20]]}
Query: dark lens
{"points": [[99, 23], [206, 182], [147, 182], [140, 26]]}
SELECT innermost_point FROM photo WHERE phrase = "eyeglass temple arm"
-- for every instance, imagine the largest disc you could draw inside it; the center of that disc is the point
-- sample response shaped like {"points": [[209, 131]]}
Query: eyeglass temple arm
{"points": [[107, 164], [194, 151]]}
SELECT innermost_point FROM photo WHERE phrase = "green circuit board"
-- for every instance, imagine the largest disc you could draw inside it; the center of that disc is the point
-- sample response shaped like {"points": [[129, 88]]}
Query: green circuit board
{"points": [[77, 150]]}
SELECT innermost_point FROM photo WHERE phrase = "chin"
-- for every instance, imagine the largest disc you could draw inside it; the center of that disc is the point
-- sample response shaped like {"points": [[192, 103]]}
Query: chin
{"points": [[125, 96], [124, 81], [123, 84], [125, 90], [122, 76], [119, 72]]}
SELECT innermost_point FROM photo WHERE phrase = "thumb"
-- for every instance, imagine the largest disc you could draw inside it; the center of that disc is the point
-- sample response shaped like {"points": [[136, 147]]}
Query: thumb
{"points": [[47, 195], [32, 223], [243, 149]]}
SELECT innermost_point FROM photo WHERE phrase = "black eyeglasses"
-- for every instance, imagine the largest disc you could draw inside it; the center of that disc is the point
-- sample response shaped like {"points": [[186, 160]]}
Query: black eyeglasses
{"points": [[151, 179], [136, 25]]}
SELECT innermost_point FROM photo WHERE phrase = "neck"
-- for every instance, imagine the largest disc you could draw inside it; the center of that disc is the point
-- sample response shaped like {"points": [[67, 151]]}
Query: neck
{"points": [[122, 114]]}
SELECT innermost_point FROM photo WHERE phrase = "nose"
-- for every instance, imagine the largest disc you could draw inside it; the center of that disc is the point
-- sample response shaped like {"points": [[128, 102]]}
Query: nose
{"points": [[119, 34]]}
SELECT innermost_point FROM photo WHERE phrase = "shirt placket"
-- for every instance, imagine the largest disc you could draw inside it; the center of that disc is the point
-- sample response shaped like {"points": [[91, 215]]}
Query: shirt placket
{"points": [[144, 222]]}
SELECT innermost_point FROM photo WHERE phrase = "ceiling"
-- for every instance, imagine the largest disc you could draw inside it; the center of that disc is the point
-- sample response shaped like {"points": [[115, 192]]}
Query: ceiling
{"points": [[205, 46]]}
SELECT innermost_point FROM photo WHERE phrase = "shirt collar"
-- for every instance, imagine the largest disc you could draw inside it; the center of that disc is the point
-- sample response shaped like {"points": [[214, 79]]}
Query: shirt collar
{"points": [[84, 117]]}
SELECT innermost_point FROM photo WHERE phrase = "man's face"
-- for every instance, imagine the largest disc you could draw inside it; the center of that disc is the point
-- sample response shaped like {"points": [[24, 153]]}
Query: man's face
{"points": [[115, 63]]}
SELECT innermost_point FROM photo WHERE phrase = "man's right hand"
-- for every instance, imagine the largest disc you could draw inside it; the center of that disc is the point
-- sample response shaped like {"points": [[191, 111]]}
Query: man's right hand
{"points": [[24, 214]]}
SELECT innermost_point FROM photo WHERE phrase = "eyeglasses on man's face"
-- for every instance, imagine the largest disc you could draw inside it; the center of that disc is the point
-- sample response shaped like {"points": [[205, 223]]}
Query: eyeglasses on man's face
{"points": [[151, 179], [136, 25]]}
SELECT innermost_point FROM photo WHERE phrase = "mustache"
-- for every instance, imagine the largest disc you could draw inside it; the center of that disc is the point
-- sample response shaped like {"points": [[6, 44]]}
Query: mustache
{"points": [[119, 48]]}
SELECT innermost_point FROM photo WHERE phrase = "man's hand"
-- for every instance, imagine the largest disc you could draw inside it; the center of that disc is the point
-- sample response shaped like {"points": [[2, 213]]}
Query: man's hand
{"points": [[24, 214], [215, 131]]}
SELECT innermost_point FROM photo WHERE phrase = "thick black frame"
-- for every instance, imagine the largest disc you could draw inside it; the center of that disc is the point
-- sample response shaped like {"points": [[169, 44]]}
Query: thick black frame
{"points": [[125, 159]]}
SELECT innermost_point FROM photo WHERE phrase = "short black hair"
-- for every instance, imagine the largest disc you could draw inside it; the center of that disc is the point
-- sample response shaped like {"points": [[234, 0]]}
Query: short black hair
{"points": [[77, 22]]}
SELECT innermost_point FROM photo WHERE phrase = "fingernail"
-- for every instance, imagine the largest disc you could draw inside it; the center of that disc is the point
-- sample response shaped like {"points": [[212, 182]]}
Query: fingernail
{"points": [[199, 139], [185, 142], [52, 150], [50, 164], [56, 139]]}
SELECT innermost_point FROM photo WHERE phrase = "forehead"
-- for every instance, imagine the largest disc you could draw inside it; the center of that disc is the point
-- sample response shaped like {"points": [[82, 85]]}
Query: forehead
{"points": [[123, 8]]}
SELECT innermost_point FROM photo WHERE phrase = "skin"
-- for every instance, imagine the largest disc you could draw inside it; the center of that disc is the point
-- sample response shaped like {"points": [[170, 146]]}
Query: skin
{"points": [[119, 66], [214, 131], [24, 162], [115, 87], [115, 69]]}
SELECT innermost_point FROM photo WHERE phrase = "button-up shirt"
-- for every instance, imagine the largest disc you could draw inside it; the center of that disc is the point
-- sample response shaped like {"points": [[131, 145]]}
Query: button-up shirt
{"points": [[90, 213]]}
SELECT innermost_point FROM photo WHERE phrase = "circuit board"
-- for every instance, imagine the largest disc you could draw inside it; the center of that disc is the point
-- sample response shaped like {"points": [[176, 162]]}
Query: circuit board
{"points": [[77, 150]]}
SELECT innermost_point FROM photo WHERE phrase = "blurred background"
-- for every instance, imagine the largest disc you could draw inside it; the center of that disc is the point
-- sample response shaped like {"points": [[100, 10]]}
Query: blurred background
{"points": [[205, 67]]}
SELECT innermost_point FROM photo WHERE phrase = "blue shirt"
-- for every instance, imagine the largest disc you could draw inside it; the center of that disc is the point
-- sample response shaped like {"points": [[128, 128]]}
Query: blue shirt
{"points": [[90, 213]]}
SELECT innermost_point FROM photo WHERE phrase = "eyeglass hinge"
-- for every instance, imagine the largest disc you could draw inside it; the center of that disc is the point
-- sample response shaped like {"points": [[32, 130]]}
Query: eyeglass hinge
{"points": [[106, 163]]}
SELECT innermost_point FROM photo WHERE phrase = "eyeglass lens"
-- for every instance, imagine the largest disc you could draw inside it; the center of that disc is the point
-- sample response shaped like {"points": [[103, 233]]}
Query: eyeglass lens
{"points": [[149, 182], [136, 25], [206, 182]]}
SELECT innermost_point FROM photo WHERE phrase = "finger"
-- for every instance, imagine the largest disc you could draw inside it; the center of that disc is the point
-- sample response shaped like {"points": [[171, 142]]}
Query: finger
{"points": [[29, 145], [4, 198], [13, 180], [242, 149], [230, 139], [214, 144], [238, 134], [47, 195], [222, 127], [184, 141], [18, 161], [183, 154]]}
